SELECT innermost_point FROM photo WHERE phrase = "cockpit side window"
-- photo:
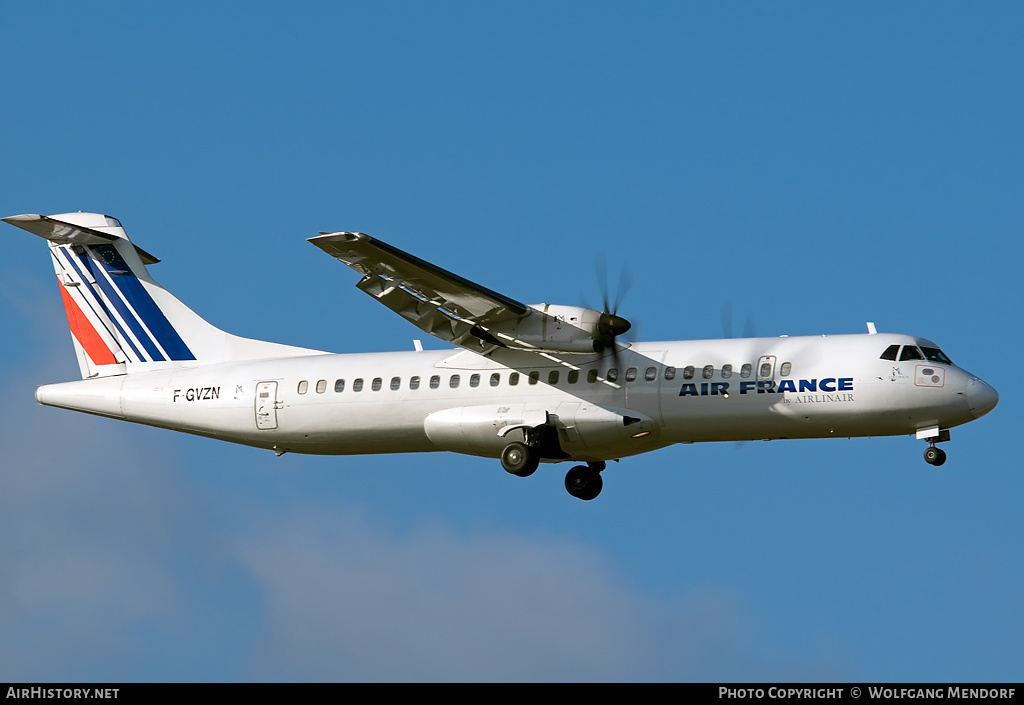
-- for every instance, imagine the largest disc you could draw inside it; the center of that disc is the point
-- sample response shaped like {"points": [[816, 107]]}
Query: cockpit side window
{"points": [[936, 355], [910, 352], [890, 353]]}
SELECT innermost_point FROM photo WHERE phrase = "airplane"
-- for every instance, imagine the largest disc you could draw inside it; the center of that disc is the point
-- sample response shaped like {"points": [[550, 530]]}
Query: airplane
{"points": [[523, 383]]}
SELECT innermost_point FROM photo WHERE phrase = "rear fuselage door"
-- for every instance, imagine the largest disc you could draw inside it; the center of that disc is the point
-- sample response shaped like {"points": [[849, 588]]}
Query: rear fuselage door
{"points": [[266, 406]]}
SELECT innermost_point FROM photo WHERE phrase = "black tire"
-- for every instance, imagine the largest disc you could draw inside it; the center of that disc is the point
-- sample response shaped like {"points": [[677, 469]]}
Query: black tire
{"points": [[519, 459], [934, 456], [583, 483]]}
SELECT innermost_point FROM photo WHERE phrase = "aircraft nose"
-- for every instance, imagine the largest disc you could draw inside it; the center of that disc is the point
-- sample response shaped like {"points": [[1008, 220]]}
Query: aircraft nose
{"points": [[981, 397]]}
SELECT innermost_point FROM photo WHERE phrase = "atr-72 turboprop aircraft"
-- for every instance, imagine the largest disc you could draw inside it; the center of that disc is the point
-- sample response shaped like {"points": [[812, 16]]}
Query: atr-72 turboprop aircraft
{"points": [[530, 383]]}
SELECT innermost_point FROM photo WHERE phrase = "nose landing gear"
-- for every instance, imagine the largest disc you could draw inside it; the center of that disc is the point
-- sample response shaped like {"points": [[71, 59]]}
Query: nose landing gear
{"points": [[934, 456], [934, 434]]}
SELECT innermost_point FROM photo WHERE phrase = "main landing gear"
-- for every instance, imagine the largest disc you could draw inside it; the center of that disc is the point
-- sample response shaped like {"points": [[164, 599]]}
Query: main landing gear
{"points": [[582, 482], [520, 459]]}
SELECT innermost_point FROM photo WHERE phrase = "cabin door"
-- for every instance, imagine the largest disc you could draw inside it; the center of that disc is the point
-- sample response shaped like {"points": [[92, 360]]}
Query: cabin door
{"points": [[766, 373], [266, 406]]}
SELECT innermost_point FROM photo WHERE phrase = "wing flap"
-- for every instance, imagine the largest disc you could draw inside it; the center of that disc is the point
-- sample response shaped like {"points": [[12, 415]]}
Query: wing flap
{"points": [[435, 300]]}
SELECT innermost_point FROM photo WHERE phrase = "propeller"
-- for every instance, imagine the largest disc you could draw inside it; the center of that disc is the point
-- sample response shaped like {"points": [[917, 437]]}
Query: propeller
{"points": [[610, 325], [749, 328], [749, 331]]}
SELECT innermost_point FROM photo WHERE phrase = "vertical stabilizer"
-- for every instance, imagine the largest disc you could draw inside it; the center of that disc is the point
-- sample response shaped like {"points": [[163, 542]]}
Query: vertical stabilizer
{"points": [[121, 320]]}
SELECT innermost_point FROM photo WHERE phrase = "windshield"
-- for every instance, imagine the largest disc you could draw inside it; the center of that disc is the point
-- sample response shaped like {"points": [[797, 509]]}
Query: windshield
{"points": [[936, 355]]}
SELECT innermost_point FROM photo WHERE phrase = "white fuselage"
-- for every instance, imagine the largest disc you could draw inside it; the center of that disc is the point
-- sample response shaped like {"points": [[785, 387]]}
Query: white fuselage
{"points": [[812, 387]]}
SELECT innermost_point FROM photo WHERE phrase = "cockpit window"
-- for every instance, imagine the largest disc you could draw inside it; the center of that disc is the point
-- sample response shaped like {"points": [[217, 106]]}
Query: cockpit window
{"points": [[936, 355], [890, 353], [910, 352]]}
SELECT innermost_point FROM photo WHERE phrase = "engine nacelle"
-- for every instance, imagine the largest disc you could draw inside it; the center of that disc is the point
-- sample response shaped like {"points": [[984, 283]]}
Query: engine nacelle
{"points": [[571, 329]]}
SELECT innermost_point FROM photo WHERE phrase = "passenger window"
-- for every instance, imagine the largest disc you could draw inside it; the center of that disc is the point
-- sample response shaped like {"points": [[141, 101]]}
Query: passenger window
{"points": [[357, 385], [321, 386], [377, 383], [613, 374], [670, 373], [591, 376], [910, 352], [303, 387], [534, 377], [474, 381], [553, 377], [786, 368], [435, 382], [766, 369], [630, 374], [574, 376], [495, 379], [688, 372], [339, 385], [708, 372], [651, 374], [745, 370], [414, 383], [890, 353], [396, 384], [513, 379], [726, 371], [454, 381]]}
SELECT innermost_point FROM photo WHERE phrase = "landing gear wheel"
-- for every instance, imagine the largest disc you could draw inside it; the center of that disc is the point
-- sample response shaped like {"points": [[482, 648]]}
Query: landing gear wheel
{"points": [[583, 482], [934, 456], [519, 459]]}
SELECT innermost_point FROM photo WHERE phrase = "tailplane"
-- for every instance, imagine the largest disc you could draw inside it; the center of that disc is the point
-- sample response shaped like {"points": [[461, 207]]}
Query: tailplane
{"points": [[121, 320]]}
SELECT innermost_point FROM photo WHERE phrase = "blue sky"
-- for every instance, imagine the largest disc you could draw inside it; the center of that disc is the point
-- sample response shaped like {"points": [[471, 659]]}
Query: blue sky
{"points": [[809, 166]]}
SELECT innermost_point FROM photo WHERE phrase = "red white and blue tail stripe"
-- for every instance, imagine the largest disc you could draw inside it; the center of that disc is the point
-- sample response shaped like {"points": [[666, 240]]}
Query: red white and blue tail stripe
{"points": [[108, 295], [121, 320], [106, 301]]}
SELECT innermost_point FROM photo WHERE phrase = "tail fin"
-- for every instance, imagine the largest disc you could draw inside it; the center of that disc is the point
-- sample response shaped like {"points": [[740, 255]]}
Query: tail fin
{"points": [[121, 320]]}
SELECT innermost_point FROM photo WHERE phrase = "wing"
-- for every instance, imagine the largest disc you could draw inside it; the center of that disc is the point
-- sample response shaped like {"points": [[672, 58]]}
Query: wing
{"points": [[437, 301]]}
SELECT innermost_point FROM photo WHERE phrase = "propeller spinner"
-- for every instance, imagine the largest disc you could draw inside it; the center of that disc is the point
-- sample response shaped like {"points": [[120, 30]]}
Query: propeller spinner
{"points": [[609, 327]]}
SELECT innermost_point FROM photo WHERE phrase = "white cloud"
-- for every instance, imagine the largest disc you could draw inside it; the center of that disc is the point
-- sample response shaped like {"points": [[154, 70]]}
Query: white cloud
{"points": [[346, 600]]}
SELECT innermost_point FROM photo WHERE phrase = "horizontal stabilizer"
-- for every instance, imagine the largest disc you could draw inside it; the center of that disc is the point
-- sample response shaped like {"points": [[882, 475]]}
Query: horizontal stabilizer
{"points": [[64, 233]]}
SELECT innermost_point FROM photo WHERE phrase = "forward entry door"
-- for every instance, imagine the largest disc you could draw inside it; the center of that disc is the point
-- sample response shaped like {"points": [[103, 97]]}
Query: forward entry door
{"points": [[766, 373]]}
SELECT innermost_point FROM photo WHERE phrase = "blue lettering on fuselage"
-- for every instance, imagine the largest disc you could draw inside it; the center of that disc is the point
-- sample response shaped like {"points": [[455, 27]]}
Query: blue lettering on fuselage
{"points": [[767, 386], [713, 389]]}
